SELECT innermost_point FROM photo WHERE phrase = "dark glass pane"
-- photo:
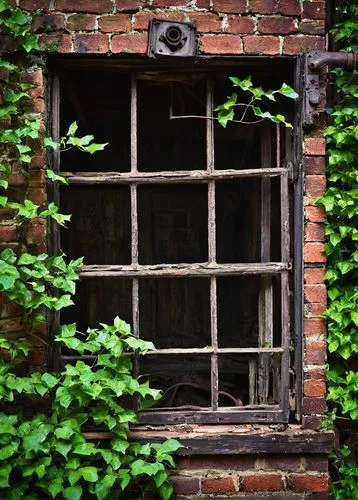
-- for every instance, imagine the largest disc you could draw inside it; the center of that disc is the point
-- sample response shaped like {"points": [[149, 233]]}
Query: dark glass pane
{"points": [[184, 380], [172, 224], [165, 144], [175, 312], [99, 228], [99, 100]]}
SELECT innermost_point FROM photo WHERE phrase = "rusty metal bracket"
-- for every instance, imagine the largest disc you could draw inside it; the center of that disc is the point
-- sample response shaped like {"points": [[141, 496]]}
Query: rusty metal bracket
{"points": [[171, 38], [314, 62]]}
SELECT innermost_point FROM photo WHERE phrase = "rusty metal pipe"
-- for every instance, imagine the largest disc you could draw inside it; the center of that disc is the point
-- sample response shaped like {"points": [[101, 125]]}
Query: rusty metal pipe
{"points": [[347, 60]]}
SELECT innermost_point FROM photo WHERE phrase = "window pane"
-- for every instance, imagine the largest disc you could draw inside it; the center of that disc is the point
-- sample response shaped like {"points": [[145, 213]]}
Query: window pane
{"points": [[100, 301], [100, 224], [175, 312], [99, 100], [165, 144], [184, 380], [172, 224], [243, 303], [249, 379]]}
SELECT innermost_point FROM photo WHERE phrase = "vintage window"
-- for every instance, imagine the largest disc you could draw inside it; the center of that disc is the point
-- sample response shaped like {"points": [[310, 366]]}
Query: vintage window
{"points": [[185, 228]]}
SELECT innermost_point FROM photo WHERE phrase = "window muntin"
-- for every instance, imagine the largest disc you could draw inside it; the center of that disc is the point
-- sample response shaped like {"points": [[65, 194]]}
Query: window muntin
{"points": [[182, 239]]}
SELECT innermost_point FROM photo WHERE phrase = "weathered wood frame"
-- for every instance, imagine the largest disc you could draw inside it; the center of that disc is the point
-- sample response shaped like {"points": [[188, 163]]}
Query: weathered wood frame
{"points": [[257, 410]]}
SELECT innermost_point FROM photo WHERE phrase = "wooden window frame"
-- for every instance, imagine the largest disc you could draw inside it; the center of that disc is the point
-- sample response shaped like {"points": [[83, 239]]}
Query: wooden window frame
{"points": [[254, 412]]}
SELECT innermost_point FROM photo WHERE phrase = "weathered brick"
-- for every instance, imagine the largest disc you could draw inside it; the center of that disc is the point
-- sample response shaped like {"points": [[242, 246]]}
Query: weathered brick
{"points": [[230, 6], [37, 357], [48, 22], [314, 388], [206, 22], [315, 213], [314, 164], [268, 45], [316, 293], [317, 463], [314, 326], [315, 185], [10, 310], [203, 4], [264, 6], [131, 43], [35, 4], [8, 233], [315, 146], [314, 309], [94, 6], [316, 352], [172, 3], [221, 44], [279, 462], [314, 10], [314, 232], [37, 195], [276, 24], [59, 42], [184, 485], [290, 7], [36, 232], [34, 105], [218, 485], [315, 374], [81, 22], [118, 23], [312, 422], [129, 5], [296, 44], [91, 43], [34, 76], [314, 275], [141, 20], [262, 482], [309, 482], [310, 27], [200, 462], [240, 24]]}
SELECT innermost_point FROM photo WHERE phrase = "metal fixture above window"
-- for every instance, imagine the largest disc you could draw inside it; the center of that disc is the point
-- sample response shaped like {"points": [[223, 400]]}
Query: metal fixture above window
{"points": [[171, 38]]}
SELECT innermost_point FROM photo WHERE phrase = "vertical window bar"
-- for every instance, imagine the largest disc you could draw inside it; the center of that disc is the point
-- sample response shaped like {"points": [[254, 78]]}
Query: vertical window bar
{"points": [[266, 290], [278, 146], [285, 305], [212, 244]]}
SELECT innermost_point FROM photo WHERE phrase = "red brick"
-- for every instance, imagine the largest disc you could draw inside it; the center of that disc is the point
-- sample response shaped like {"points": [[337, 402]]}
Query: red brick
{"points": [[309, 482], [34, 4], [296, 44], [94, 6], [314, 388], [240, 24], [314, 10], [119, 23], [315, 185], [34, 77], [316, 374], [8, 233], [206, 22], [169, 3], [276, 24], [34, 105], [280, 462], [219, 485], [314, 275], [203, 4], [264, 6], [314, 309], [133, 43], [316, 352], [36, 232], [129, 5], [316, 293], [37, 178], [315, 146], [230, 6], [317, 463], [37, 195], [141, 20], [81, 22], [38, 161], [36, 92], [58, 42], [91, 43], [262, 482], [221, 44], [314, 326], [185, 485], [315, 164], [290, 7], [269, 45], [49, 22], [314, 232], [315, 213], [308, 27]]}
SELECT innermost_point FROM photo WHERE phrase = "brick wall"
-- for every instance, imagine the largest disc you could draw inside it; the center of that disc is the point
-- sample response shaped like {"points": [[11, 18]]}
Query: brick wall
{"points": [[254, 27]]}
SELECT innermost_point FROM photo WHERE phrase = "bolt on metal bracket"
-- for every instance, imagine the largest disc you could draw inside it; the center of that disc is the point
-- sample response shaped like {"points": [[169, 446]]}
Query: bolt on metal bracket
{"points": [[171, 39]]}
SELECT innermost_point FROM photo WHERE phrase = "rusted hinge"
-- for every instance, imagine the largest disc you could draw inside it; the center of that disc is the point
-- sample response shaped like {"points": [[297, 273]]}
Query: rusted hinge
{"points": [[314, 62]]}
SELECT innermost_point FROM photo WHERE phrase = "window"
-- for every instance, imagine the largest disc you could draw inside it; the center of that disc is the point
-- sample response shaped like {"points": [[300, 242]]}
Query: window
{"points": [[185, 228]]}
